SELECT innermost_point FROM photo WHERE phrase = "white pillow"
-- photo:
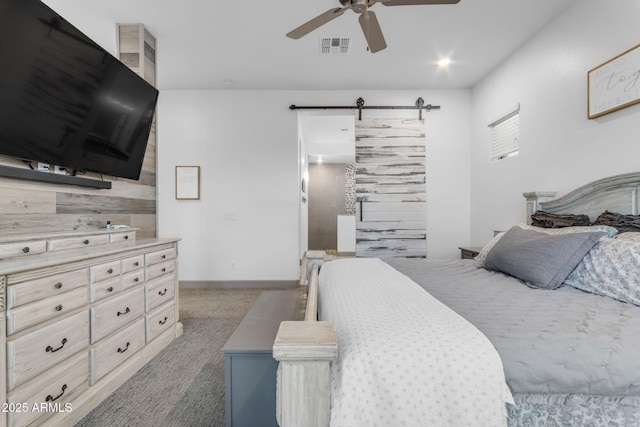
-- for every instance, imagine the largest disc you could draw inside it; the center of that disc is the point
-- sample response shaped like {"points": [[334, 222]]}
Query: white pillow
{"points": [[611, 231], [482, 255], [631, 236]]}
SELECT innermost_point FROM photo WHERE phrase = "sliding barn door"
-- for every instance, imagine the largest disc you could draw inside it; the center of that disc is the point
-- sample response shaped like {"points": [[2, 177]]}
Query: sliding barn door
{"points": [[391, 207]]}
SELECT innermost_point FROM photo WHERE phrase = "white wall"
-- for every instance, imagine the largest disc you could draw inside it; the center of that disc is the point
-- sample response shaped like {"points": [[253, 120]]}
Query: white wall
{"points": [[560, 148], [246, 143]]}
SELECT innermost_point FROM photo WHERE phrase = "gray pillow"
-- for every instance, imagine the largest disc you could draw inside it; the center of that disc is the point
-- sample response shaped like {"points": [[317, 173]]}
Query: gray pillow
{"points": [[539, 259]]}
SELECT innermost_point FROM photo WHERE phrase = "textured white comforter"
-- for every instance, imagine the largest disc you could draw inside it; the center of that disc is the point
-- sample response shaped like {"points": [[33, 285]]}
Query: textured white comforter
{"points": [[405, 359]]}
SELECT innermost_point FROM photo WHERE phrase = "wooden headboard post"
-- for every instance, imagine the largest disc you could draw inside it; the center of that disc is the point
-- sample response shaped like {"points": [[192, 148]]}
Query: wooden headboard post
{"points": [[534, 199]]}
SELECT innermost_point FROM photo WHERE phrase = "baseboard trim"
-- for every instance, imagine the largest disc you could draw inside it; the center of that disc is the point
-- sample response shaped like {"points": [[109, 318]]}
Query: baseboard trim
{"points": [[244, 284]]}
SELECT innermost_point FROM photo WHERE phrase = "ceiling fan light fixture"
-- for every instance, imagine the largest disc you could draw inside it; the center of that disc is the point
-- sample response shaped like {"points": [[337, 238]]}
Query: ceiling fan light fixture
{"points": [[359, 6], [368, 20]]}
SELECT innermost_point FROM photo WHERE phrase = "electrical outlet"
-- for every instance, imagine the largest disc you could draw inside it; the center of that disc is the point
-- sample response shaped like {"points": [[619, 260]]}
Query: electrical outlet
{"points": [[230, 216], [43, 167], [233, 265]]}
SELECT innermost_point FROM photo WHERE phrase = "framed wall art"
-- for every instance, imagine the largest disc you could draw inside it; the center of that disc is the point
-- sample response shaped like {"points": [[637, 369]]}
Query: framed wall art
{"points": [[615, 84], [188, 182]]}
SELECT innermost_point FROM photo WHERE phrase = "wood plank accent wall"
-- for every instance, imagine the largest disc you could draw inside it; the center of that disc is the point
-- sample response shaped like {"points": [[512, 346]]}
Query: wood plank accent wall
{"points": [[33, 207], [391, 188]]}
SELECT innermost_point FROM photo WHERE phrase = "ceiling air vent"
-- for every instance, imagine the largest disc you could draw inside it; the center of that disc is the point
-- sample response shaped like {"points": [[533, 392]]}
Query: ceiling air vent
{"points": [[334, 45]]}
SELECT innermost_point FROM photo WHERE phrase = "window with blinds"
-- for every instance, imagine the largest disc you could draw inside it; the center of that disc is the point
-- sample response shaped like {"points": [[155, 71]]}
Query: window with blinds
{"points": [[504, 136]]}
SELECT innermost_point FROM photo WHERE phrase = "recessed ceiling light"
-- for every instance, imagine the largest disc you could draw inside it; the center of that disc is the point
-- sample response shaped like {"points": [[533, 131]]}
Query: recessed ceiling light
{"points": [[229, 83], [443, 62]]}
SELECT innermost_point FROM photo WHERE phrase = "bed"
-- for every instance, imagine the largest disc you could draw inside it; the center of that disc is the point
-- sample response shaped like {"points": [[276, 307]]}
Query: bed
{"points": [[543, 328]]}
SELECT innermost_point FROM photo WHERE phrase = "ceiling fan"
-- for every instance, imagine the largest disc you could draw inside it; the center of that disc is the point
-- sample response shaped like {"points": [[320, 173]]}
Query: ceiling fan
{"points": [[368, 20]]}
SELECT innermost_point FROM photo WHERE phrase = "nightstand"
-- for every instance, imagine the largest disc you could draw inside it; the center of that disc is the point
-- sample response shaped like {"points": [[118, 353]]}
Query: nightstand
{"points": [[469, 252]]}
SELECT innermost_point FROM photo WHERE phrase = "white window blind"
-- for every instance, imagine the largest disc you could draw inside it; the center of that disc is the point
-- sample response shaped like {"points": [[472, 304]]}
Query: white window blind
{"points": [[504, 136]]}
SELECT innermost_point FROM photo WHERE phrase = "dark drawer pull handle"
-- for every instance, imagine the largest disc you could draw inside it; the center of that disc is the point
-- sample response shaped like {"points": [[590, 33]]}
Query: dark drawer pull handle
{"points": [[53, 350], [110, 289], [126, 237], [164, 269], [135, 264], [137, 279], [125, 349], [86, 242], [162, 293], [59, 307], [52, 399], [162, 322], [26, 249], [110, 270], [58, 285], [164, 256], [125, 312]]}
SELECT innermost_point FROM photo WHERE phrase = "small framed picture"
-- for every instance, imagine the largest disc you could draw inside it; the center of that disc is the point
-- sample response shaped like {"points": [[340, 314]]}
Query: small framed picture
{"points": [[188, 182]]}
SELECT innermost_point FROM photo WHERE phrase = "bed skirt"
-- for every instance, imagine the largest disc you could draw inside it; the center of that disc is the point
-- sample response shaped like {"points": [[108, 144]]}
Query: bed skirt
{"points": [[546, 410]]}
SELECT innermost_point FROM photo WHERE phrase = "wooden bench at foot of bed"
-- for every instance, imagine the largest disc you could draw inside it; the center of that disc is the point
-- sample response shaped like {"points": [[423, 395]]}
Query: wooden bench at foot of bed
{"points": [[250, 370]]}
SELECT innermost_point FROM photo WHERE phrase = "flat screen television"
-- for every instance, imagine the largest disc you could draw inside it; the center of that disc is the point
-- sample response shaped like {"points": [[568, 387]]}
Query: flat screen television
{"points": [[66, 101]]}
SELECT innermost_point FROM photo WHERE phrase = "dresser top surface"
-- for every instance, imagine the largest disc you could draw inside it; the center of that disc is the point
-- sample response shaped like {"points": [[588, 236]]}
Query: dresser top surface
{"points": [[13, 238], [49, 259]]}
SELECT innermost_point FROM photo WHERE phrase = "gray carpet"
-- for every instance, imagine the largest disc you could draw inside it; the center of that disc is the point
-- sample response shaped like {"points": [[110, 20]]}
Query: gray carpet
{"points": [[184, 384]]}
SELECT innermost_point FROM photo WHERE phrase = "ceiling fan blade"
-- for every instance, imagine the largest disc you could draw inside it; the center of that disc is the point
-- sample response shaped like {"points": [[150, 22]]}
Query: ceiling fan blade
{"points": [[372, 32], [416, 2], [316, 22]]}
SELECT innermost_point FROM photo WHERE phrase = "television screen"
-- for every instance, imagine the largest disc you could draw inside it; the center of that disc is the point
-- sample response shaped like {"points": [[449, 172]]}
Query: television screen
{"points": [[66, 101]]}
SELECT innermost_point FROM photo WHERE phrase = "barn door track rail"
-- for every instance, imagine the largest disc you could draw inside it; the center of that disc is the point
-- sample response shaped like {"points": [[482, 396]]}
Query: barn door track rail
{"points": [[419, 105]]}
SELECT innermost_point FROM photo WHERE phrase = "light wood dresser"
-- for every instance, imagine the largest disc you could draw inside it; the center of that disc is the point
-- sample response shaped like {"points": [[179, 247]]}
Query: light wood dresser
{"points": [[80, 314]]}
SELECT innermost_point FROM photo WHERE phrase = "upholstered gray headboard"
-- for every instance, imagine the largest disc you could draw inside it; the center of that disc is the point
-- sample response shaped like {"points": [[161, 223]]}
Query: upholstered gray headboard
{"points": [[617, 193]]}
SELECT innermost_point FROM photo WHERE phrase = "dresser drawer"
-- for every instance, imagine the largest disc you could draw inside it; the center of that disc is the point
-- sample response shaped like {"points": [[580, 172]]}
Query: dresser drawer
{"points": [[160, 320], [159, 256], [129, 236], [159, 291], [28, 247], [132, 279], [105, 288], [56, 385], [37, 351], [77, 242], [115, 313], [112, 351], [133, 263], [21, 317], [157, 270], [104, 271], [33, 290]]}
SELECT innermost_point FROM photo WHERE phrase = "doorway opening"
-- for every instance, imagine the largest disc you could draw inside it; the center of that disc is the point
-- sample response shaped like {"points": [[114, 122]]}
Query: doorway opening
{"points": [[327, 172]]}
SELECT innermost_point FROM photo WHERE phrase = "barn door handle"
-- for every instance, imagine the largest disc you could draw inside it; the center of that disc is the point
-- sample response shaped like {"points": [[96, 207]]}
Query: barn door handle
{"points": [[360, 201]]}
